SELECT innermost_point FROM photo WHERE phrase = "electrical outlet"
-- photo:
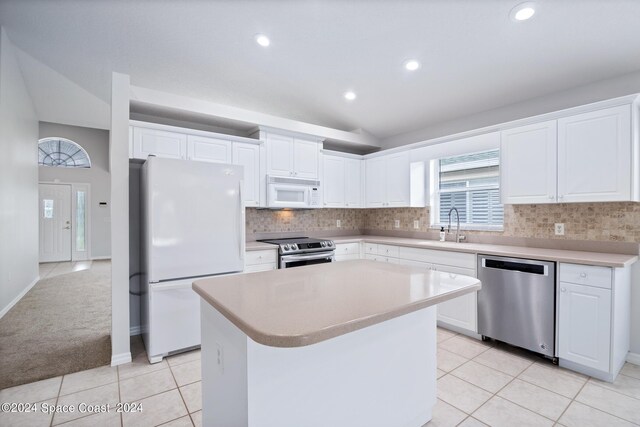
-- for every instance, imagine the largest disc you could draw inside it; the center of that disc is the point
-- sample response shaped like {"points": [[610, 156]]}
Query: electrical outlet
{"points": [[338, 223], [416, 224], [559, 229], [396, 223]]}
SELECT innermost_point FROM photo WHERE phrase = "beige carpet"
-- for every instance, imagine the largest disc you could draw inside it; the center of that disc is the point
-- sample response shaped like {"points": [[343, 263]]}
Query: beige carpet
{"points": [[62, 325]]}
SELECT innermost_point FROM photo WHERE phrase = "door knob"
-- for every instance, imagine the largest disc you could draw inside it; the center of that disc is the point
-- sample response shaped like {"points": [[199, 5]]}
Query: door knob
{"points": [[68, 227]]}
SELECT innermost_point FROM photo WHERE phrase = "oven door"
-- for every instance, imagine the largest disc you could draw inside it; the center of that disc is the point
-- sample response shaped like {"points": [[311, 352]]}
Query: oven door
{"points": [[299, 260]]}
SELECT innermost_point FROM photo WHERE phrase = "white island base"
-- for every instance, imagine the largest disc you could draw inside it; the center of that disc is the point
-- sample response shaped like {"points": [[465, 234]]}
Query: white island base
{"points": [[382, 375]]}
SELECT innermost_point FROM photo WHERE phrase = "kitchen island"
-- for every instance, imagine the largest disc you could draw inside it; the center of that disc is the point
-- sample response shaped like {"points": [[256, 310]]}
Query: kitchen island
{"points": [[340, 344]]}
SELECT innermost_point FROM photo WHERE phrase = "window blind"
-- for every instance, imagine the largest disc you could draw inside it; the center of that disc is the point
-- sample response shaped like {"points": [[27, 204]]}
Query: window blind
{"points": [[471, 183]]}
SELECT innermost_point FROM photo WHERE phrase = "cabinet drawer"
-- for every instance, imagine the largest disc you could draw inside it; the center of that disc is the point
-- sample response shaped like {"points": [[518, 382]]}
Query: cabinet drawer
{"points": [[260, 257], [370, 248], [454, 270], [340, 257], [454, 259], [388, 250], [347, 249], [259, 267], [588, 275]]}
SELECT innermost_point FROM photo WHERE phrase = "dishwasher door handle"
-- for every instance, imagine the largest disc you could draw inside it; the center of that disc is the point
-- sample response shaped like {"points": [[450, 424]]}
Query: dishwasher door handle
{"points": [[516, 265]]}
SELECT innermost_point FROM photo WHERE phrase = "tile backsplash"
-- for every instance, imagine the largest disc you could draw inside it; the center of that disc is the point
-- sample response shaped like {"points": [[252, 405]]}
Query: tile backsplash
{"points": [[307, 221], [611, 222]]}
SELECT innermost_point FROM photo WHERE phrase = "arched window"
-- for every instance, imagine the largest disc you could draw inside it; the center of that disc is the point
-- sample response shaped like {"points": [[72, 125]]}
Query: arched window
{"points": [[62, 152]]}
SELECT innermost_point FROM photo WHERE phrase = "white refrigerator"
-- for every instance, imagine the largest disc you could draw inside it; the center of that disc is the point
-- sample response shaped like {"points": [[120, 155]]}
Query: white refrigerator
{"points": [[192, 227]]}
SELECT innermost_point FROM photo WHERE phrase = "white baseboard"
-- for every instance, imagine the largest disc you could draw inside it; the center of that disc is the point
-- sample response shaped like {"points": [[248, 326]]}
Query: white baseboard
{"points": [[19, 297], [100, 258], [120, 359], [135, 330], [633, 358]]}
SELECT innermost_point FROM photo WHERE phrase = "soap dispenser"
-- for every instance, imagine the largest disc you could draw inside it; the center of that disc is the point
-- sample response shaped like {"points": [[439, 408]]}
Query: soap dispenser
{"points": [[442, 234]]}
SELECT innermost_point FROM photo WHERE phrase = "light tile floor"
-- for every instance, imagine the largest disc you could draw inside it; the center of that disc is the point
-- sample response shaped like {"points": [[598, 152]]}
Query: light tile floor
{"points": [[478, 384]]}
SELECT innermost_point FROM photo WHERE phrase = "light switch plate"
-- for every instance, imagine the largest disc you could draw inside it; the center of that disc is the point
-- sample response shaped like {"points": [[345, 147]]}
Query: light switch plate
{"points": [[338, 223], [416, 224], [396, 223], [559, 229]]}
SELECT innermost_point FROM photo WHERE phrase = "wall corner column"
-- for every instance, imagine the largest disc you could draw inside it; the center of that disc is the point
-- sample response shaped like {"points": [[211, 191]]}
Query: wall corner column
{"points": [[119, 168]]}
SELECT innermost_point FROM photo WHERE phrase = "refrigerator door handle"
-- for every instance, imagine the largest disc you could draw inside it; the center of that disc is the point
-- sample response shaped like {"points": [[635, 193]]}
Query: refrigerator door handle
{"points": [[242, 221]]}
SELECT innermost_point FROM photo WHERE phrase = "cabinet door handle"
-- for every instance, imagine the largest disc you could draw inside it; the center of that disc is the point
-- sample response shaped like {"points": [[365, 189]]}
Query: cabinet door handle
{"points": [[551, 197], [563, 289], [583, 275]]}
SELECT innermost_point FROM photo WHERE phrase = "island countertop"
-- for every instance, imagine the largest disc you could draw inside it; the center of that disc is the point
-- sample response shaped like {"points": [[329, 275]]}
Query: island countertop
{"points": [[306, 305]]}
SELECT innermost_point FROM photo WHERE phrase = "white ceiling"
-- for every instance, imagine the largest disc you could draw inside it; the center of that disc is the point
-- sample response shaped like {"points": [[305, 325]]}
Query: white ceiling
{"points": [[474, 58]]}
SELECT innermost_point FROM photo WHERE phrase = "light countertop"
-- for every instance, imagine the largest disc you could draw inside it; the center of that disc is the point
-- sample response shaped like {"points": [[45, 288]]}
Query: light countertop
{"points": [[305, 305], [259, 246], [559, 255]]}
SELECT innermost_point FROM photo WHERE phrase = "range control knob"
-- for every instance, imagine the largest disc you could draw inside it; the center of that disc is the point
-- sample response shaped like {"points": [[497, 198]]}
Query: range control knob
{"points": [[323, 244], [294, 247], [285, 247], [330, 243]]}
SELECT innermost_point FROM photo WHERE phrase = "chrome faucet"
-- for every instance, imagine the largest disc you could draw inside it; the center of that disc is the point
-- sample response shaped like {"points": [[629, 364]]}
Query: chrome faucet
{"points": [[459, 238]]}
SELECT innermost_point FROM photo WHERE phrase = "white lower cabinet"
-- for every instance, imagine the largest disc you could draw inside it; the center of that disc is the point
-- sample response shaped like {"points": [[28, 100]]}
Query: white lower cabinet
{"points": [[593, 317], [347, 251], [585, 324], [460, 314], [261, 260]]}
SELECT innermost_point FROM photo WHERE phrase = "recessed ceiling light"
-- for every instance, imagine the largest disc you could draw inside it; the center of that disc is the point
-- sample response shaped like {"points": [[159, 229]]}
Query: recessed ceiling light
{"points": [[350, 96], [411, 65], [523, 11], [262, 40]]}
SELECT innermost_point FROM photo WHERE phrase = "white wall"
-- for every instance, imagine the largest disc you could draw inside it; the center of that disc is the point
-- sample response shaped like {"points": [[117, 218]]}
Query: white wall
{"points": [[119, 167], [96, 143], [18, 181], [605, 89]]}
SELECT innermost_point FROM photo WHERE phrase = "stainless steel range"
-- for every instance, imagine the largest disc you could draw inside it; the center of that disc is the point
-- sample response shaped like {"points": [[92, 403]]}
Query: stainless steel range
{"points": [[299, 251]]}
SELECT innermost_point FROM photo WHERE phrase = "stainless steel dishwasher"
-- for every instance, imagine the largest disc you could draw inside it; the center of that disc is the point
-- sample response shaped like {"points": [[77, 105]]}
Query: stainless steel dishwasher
{"points": [[517, 302]]}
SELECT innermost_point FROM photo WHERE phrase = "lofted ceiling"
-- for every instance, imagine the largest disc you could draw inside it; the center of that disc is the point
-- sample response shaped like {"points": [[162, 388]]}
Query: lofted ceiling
{"points": [[474, 57]]}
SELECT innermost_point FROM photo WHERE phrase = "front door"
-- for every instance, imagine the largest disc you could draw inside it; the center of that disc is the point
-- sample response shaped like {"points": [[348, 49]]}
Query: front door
{"points": [[55, 222]]}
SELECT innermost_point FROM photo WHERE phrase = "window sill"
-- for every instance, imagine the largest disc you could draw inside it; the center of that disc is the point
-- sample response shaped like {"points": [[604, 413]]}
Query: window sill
{"points": [[469, 227]]}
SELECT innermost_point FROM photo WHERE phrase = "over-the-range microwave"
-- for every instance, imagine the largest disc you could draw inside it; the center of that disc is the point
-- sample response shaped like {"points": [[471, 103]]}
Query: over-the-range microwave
{"points": [[297, 193]]}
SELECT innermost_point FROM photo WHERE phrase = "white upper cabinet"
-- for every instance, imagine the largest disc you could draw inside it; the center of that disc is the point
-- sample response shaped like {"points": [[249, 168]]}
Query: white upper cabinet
{"points": [[595, 155], [333, 181], [586, 157], [528, 164], [248, 155], [208, 149], [306, 158], [279, 155], [353, 183], [159, 143], [388, 181], [398, 180], [292, 156], [375, 182], [342, 182]]}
